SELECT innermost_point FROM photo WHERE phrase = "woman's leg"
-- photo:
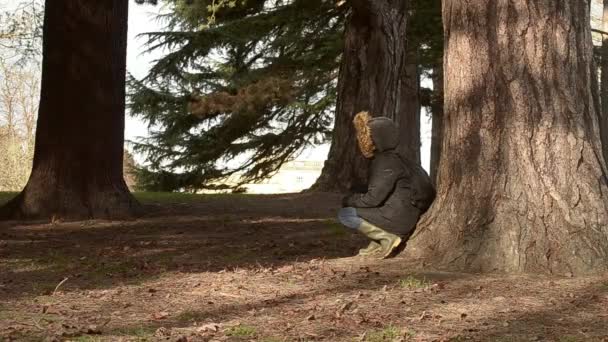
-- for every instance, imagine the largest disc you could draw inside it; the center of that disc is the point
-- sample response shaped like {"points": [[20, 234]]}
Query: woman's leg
{"points": [[349, 218]]}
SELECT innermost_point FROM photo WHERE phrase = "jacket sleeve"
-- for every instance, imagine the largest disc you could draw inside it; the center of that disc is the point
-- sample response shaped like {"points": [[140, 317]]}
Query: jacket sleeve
{"points": [[382, 180]]}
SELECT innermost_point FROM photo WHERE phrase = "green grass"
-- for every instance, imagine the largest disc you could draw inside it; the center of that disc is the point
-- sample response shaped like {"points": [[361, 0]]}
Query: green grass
{"points": [[334, 228], [242, 331], [178, 197], [156, 197], [271, 339], [568, 339], [412, 282], [6, 196], [140, 333], [191, 316], [387, 334], [86, 338]]}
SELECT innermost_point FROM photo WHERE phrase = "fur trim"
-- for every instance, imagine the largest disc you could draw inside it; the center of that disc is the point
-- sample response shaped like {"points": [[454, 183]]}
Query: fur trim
{"points": [[364, 134]]}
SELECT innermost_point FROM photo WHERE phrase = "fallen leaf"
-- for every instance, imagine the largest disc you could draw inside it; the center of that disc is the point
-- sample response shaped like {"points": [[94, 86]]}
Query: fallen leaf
{"points": [[93, 330], [162, 332], [160, 315], [344, 308], [213, 327], [424, 315]]}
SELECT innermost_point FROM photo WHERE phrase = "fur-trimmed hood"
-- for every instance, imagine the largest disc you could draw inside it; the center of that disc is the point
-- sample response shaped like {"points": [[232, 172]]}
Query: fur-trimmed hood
{"points": [[375, 134], [384, 132]]}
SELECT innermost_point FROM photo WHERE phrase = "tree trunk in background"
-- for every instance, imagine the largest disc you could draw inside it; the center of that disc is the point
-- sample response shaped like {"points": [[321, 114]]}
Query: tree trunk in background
{"points": [[437, 121], [77, 170], [604, 84], [408, 118], [373, 77], [522, 178]]}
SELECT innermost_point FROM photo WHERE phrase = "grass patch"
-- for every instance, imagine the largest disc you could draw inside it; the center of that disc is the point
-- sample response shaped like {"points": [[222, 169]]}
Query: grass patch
{"points": [[156, 197], [237, 256], [412, 282], [6, 196], [86, 338], [272, 339], [140, 333], [568, 339], [242, 331], [190, 316], [334, 228], [180, 197], [506, 339], [387, 334]]}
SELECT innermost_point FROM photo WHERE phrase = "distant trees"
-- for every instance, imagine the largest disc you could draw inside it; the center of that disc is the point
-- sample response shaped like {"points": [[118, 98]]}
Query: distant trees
{"points": [[19, 94], [21, 31]]}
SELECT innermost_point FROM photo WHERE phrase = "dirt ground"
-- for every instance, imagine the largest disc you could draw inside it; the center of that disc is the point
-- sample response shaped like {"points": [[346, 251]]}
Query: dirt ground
{"points": [[263, 268]]}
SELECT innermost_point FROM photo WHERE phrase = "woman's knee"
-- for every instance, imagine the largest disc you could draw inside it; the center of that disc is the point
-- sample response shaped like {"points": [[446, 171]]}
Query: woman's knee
{"points": [[348, 217]]}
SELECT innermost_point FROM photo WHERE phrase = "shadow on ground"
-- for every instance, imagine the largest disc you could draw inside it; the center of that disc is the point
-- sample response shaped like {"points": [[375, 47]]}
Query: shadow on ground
{"points": [[263, 268], [226, 233]]}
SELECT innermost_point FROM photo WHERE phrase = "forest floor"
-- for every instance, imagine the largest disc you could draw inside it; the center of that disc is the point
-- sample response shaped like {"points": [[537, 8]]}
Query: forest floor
{"points": [[263, 268]]}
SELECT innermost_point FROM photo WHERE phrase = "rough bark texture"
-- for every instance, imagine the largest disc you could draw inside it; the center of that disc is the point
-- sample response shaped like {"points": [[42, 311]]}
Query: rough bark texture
{"points": [[373, 77], [522, 182], [408, 119], [604, 84], [437, 121], [77, 169]]}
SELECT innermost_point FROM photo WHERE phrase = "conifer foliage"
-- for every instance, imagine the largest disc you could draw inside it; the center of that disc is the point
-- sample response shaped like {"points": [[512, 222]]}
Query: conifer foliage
{"points": [[253, 80], [244, 85]]}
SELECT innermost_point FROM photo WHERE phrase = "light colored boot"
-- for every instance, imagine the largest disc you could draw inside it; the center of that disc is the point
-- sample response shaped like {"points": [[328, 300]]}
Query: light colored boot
{"points": [[388, 242], [372, 248]]}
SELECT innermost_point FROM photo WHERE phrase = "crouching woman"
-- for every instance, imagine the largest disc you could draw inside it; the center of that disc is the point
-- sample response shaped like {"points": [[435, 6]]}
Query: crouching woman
{"points": [[399, 191]]}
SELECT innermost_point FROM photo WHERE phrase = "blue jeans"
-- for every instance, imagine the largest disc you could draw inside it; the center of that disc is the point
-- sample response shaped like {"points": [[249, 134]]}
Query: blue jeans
{"points": [[348, 217]]}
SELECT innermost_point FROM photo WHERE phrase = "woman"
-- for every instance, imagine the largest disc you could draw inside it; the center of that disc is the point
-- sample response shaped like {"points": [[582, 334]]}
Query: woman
{"points": [[399, 190]]}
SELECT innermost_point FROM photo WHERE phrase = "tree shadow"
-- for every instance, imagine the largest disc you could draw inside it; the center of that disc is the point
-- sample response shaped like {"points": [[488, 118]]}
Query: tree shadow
{"points": [[569, 320], [249, 233]]}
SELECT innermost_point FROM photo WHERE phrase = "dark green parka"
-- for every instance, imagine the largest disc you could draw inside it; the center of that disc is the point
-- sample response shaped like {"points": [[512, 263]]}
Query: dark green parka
{"points": [[399, 190]]}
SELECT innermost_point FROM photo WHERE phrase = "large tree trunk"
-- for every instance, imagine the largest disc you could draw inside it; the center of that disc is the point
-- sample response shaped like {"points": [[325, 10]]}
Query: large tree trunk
{"points": [[604, 84], [373, 77], [408, 119], [77, 170], [437, 121], [522, 181]]}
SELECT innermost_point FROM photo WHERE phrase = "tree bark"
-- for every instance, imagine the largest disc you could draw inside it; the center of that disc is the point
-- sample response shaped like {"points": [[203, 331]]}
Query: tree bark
{"points": [[78, 158], [373, 77], [604, 84], [437, 121], [522, 181], [408, 117]]}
